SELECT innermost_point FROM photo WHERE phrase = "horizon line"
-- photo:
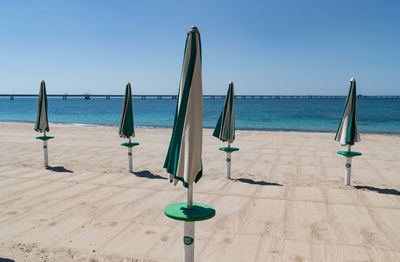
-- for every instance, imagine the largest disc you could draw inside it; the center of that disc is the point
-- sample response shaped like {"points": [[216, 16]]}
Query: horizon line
{"points": [[107, 97], [174, 95]]}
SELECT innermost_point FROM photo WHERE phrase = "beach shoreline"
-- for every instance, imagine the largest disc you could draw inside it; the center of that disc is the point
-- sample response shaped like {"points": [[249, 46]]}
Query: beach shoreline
{"points": [[287, 200], [205, 128]]}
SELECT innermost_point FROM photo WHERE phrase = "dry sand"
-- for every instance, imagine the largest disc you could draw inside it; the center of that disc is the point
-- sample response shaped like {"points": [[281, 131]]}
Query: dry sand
{"points": [[287, 201]]}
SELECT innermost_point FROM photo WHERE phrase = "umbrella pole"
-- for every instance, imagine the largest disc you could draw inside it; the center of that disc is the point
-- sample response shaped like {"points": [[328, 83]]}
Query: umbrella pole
{"points": [[189, 230], [46, 159], [190, 197], [130, 156], [228, 163], [348, 169], [188, 241]]}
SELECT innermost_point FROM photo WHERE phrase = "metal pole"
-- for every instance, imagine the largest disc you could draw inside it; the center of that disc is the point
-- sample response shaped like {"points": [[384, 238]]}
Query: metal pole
{"points": [[188, 231], [130, 156], [348, 169], [188, 241], [190, 197], [46, 158], [228, 163]]}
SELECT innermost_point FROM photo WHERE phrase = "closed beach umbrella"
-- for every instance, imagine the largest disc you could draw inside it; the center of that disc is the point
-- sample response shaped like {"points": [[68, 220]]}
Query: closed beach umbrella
{"points": [[183, 161], [42, 123], [225, 128], [347, 133], [126, 127]]}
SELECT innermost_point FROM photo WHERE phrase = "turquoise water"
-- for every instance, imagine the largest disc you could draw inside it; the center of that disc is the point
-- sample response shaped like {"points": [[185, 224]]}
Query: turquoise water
{"points": [[375, 115]]}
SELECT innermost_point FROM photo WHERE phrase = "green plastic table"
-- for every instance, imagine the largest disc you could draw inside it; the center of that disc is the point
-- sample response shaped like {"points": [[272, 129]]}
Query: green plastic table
{"points": [[179, 211], [229, 149], [198, 212], [44, 138], [129, 145], [349, 153]]}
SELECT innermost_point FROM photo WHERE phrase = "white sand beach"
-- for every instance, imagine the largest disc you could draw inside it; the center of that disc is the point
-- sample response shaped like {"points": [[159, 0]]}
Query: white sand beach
{"points": [[286, 202]]}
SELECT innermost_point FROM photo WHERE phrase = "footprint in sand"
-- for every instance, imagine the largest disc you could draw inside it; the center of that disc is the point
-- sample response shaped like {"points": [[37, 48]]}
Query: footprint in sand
{"points": [[164, 238], [298, 259], [228, 240], [113, 224], [149, 232]]}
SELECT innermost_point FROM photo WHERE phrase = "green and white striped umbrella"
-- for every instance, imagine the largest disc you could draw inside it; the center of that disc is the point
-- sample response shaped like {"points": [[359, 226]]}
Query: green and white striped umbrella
{"points": [[126, 128], [347, 133], [225, 129], [183, 161], [41, 123]]}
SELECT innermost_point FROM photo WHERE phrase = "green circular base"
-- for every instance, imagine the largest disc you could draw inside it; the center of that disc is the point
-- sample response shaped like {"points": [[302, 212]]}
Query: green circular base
{"points": [[44, 138], [132, 144], [179, 211], [349, 153], [229, 149]]}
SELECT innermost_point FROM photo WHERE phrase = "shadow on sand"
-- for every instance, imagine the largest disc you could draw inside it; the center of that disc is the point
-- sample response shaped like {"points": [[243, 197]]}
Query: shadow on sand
{"points": [[60, 169], [387, 191], [260, 183], [6, 260], [198, 211], [148, 174]]}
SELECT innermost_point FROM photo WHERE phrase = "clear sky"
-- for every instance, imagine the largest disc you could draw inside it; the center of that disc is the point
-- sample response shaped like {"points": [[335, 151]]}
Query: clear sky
{"points": [[264, 47]]}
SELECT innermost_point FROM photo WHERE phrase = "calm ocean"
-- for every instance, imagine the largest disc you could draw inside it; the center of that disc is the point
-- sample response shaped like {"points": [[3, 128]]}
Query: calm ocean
{"points": [[375, 115]]}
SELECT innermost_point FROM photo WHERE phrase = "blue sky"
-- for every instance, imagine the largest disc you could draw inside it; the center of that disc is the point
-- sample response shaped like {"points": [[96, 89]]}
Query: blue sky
{"points": [[265, 47]]}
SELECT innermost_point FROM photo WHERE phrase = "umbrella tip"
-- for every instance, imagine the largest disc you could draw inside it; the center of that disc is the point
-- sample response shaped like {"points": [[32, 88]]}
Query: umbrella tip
{"points": [[42, 81], [230, 82], [128, 84], [352, 79], [193, 29]]}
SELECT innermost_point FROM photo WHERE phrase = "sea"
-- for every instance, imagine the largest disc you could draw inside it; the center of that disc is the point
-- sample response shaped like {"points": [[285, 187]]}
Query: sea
{"points": [[375, 115]]}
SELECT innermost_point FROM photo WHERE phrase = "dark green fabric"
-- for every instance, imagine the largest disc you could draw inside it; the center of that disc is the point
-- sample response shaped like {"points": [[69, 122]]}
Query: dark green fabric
{"points": [[218, 127], [126, 127], [351, 129], [226, 113], [42, 92]]}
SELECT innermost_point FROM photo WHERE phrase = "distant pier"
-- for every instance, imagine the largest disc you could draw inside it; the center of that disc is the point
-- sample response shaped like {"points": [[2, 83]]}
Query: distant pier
{"points": [[108, 97]]}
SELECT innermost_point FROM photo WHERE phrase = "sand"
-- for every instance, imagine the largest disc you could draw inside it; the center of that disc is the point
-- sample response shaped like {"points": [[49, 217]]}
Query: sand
{"points": [[286, 202]]}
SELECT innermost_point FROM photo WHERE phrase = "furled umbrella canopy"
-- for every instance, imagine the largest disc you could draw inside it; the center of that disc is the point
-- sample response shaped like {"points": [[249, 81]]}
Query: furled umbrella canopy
{"points": [[183, 161], [41, 123], [225, 128], [126, 127], [347, 133]]}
